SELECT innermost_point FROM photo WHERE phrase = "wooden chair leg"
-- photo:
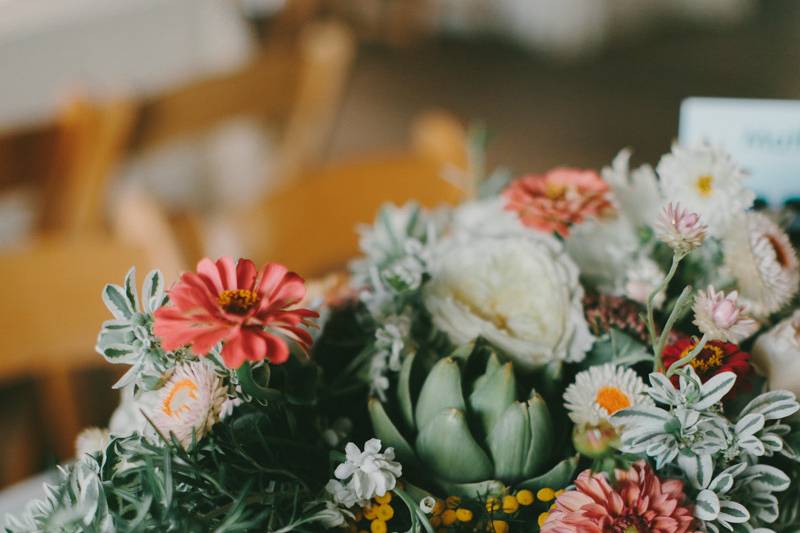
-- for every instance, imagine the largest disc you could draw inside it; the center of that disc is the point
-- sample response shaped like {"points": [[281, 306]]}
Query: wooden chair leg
{"points": [[60, 411]]}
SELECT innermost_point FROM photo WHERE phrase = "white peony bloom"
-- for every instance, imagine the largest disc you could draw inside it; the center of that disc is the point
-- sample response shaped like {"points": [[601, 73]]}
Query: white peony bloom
{"points": [[635, 192], [601, 391], [706, 181], [777, 354], [91, 440], [761, 258], [366, 474], [641, 278], [190, 402], [520, 292]]}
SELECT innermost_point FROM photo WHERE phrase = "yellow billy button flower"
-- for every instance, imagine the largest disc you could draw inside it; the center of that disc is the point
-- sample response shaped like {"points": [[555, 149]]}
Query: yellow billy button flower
{"points": [[453, 502], [463, 515], [370, 512], [378, 526], [500, 526], [438, 507], [449, 517], [385, 512], [546, 494], [542, 519], [525, 497], [386, 498], [510, 504], [436, 521], [492, 504]]}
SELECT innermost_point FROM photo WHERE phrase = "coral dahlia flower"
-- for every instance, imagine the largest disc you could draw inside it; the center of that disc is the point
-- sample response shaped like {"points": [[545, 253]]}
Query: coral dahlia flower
{"points": [[237, 305], [640, 502], [715, 357], [559, 198]]}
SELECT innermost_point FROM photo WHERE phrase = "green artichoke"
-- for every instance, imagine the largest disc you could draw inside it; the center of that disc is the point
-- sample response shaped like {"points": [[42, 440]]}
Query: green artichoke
{"points": [[465, 428]]}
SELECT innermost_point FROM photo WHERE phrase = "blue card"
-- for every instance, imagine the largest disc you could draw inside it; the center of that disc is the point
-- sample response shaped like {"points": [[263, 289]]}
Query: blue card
{"points": [[763, 136]]}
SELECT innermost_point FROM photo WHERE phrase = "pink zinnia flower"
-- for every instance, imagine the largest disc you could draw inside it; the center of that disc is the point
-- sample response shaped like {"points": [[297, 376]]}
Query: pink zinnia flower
{"points": [[721, 317], [559, 198], [680, 229], [237, 305], [641, 502]]}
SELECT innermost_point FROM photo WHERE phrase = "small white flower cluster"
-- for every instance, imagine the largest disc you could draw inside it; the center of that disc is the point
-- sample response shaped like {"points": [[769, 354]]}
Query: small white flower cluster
{"points": [[364, 474], [392, 344]]}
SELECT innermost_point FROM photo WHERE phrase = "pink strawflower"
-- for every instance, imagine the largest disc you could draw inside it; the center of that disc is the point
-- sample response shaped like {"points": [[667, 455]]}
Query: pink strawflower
{"points": [[237, 305], [559, 198], [720, 317], [680, 229], [641, 502]]}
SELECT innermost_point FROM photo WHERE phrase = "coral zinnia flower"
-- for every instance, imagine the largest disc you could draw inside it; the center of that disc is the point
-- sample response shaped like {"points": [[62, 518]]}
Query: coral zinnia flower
{"points": [[715, 357], [640, 503], [559, 198], [236, 305]]}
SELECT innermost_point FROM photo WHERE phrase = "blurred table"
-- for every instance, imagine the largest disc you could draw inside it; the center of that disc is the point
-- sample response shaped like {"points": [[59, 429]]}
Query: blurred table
{"points": [[50, 50]]}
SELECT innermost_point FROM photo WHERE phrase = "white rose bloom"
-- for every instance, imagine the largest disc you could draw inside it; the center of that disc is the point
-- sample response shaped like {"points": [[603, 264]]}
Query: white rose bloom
{"points": [[777, 354], [520, 292]]}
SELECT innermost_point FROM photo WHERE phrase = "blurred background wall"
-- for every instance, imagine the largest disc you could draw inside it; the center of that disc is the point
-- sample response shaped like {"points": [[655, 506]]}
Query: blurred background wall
{"points": [[153, 132]]}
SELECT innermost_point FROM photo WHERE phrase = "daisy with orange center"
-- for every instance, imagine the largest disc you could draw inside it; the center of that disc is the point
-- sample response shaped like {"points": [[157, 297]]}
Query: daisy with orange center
{"points": [[601, 391]]}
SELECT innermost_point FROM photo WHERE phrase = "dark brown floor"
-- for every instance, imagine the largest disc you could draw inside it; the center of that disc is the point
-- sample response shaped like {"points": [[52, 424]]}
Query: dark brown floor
{"points": [[543, 114]]}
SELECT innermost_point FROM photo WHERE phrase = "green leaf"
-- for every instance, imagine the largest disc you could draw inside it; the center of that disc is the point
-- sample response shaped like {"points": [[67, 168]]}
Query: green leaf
{"points": [[116, 301], [119, 353], [509, 442], [389, 434], [714, 390], [153, 291], [441, 391], [556, 478], [541, 443], [448, 449], [774, 405], [130, 289], [478, 490], [404, 397], [767, 479], [493, 395]]}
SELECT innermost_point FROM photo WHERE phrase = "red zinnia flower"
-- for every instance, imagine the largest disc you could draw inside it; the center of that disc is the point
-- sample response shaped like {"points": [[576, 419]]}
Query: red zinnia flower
{"points": [[559, 198], [238, 306], [715, 357], [640, 501]]}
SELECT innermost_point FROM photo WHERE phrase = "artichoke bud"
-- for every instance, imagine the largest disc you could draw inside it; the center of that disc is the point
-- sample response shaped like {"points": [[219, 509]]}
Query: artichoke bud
{"points": [[464, 425]]}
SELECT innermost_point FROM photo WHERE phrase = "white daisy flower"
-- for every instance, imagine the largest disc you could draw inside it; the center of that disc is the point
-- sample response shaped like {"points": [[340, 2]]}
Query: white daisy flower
{"points": [[761, 258], [190, 402], [706, 181], [601, 391]]}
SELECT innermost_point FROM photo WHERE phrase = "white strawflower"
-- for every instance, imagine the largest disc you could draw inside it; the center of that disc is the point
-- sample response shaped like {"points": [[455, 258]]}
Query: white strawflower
{"points": [[641, 278], [367, 474], [520, 292], [721, 317], [680, 229], [190, 402], [706, 181], [427, 504], [761, 258], [91, 440], [777, 354], [635, 192], [601, 391]]}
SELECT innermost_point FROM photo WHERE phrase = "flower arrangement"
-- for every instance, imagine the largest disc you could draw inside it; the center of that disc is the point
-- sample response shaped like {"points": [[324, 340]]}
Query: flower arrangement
{"points": [[571, 352]]}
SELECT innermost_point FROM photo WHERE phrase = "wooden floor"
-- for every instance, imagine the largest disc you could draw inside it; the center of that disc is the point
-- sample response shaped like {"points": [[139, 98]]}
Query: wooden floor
{"points": [[543, 114]]}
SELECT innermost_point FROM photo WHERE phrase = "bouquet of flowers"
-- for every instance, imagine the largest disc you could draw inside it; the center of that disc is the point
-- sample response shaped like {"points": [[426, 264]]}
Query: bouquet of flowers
{"points": [[569, 352]]}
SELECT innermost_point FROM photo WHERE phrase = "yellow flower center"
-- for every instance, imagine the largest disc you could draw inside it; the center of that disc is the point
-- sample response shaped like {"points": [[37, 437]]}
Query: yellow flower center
{"points": [[612, 399], [705, 185], [709, 358], [554, 191], [179, 397], [237, 301]]}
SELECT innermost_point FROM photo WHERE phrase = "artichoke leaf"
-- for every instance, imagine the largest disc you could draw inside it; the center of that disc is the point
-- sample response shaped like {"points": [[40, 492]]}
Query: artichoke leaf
{"points": [[447, 448], [541, 442], [492, 365], [441, 391], [478, 490], [388, 433], [556, 478], [404, 397], [492, 397], [509, 442]]}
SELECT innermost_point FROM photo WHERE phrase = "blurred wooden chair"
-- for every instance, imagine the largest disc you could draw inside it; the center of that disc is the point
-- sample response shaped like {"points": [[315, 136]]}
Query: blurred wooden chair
{"points": [[310, 223], [51, 310]]}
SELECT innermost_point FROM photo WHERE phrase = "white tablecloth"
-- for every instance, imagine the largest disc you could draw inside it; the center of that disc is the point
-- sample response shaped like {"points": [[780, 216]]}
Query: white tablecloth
{"points": [[15, 498]]}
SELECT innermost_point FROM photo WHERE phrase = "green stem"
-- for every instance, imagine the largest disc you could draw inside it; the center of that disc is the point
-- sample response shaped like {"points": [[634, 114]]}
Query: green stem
{"points": [[677, 309], [414, 509], [688, 359], [651, 323]]}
